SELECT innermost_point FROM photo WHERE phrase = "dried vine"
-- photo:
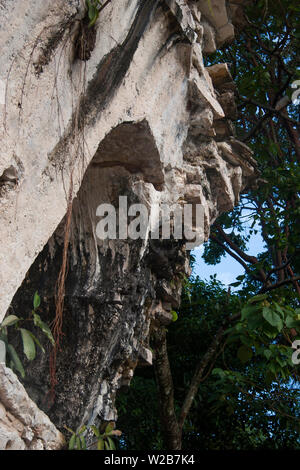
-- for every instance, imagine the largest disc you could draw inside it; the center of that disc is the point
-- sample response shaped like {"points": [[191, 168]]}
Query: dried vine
{"points": [[57, 323]]}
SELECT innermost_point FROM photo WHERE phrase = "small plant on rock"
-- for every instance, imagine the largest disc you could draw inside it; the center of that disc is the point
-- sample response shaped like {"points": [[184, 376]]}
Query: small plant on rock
{"points": [[104, 440], [93, 9], [29, 340]]}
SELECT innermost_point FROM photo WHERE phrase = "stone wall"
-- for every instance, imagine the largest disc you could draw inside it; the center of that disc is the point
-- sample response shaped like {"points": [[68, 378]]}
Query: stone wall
{"points": [[126, 108], [22, 425]]}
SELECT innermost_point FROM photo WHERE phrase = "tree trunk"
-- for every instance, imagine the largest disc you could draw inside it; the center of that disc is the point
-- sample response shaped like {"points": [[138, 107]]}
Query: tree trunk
{"points": [[169, 424]]}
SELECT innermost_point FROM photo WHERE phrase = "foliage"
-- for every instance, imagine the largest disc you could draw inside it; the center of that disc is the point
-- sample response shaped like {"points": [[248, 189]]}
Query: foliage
{"points": [[105, 440], [138, 413], [265, 65], [29, 340], [243, 403], [77, 440], [267, 328], [93, 9]]}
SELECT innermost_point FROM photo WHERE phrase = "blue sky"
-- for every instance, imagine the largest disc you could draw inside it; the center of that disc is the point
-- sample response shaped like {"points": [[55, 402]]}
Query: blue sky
{"points": [[228, 269]]}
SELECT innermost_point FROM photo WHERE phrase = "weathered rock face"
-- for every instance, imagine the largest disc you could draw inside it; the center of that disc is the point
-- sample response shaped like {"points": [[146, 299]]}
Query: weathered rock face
{"points": [[22, 424], [123, 109]]}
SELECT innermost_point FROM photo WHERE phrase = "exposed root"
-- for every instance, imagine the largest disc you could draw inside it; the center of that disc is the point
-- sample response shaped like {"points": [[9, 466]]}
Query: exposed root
{"points": [[57, 323], [85, 40]]}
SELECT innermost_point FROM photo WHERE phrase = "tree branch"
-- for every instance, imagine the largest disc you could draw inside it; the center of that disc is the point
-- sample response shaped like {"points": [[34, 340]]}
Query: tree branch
{"points": [[200, 369], [250, 259], [196, 380], [294, 279]]}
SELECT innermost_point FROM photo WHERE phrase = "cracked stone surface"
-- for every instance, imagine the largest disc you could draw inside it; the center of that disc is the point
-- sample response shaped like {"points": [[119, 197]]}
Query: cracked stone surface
{"points": [[22, 424]]}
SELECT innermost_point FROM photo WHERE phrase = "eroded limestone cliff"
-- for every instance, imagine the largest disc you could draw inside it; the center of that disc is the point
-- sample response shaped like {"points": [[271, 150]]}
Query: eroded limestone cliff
{"points": [[126, 108]]}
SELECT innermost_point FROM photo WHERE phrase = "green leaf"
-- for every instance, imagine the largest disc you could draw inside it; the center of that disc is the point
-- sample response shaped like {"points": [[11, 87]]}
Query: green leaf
{"points": [[235, 284], [267, 353], [273, 369], [229, 330], [28, 344], [279, 309], [270, 332], [292, 322], [109, 428], [95, 431], [36, 341], [280, 361], [83, 443], [258, 298], [43, 326], [106, 445], [174, 315], [36, 301], [81, 430], [244, 354], [272, 318], [254, 321], [92, 12], [15, 359], [10, 320], [111, 443], [78, 443], [69, 429], [218, 371], [100, 444], [72, 442], [248, 310]]}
